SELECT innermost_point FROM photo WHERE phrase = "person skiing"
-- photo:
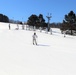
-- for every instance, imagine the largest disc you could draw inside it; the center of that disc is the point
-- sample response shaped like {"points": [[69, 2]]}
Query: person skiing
{"points": [[34, 38], [9, 27]]}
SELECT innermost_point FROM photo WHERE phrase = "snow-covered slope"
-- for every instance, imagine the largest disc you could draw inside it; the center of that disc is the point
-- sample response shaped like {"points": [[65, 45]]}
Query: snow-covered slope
{"points": [[54, 55]]}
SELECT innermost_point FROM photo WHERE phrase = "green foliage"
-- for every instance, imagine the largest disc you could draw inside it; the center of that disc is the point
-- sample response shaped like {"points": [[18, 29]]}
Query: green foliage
{"points": [[70, 18], [4, 18], [69, 23], [37, 21], [32, 20]]}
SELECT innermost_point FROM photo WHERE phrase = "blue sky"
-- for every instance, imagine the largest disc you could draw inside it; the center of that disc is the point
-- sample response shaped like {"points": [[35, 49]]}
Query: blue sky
{"points": [[22, 9]]}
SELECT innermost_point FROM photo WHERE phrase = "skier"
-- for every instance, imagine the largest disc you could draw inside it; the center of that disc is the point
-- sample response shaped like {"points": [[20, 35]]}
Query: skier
{"points": [[64, 33], [34, 38], [9, 26]]}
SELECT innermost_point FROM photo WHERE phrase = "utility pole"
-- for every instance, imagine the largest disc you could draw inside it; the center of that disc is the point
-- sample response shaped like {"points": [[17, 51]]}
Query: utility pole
{"points": [[48, 17]]}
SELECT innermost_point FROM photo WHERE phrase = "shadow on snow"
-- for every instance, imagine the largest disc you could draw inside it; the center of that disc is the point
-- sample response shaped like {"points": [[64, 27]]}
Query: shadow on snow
{"points": [[43, 45]]}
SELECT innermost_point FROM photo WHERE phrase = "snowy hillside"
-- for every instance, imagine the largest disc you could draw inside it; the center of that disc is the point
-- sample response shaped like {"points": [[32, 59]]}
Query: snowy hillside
{"points": [[54, 55]]}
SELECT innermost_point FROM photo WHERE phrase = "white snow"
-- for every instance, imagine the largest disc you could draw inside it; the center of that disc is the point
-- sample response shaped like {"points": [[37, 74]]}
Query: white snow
{"points": [[54, 55]]}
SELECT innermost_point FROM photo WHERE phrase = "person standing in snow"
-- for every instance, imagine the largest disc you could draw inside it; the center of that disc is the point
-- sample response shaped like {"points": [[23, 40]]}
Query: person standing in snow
{"points": [[34, 38], [9, 27]]}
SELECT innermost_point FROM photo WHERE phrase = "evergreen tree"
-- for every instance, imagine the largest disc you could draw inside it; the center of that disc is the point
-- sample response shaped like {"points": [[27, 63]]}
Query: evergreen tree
{"points": [[69, 22], [32, 20], [37, 21], [4, 18], [41, 20]]}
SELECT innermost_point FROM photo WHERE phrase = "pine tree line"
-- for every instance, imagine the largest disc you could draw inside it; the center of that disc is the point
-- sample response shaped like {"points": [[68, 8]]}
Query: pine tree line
{"points": [[69, 23], [4, 18], [37, 21]]}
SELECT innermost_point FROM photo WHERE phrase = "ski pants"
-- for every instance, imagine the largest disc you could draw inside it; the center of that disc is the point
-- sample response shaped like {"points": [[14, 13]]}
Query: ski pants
{"points": [[34, 41]]}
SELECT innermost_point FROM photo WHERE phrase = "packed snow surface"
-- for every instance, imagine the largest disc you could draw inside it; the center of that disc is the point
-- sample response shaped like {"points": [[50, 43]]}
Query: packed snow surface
{"points": [[54, 54]]}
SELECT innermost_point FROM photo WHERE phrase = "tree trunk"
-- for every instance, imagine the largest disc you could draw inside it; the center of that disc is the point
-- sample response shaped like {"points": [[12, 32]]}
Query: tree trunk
{"points": [[71, 32]]}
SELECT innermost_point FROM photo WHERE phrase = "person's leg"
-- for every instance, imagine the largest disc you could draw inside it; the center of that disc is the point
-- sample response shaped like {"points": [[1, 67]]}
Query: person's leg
{"points": [[35, 42]]}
